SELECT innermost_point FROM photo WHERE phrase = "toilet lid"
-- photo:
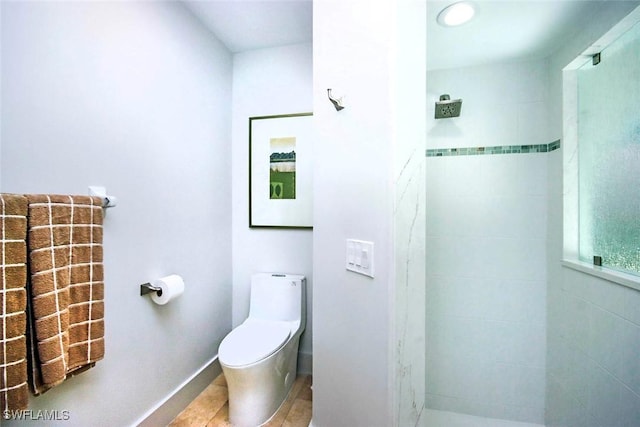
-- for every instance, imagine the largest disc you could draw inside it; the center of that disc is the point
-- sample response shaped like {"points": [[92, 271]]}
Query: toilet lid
{"points": [[253, 341]]}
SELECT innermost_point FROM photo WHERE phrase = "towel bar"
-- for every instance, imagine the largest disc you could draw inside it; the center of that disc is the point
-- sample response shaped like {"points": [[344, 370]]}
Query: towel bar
{"points": [[147, 288], [107, 201]]}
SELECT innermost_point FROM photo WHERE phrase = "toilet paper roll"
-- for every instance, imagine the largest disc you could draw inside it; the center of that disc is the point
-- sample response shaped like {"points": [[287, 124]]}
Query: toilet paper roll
{"points": [[171, 287]]}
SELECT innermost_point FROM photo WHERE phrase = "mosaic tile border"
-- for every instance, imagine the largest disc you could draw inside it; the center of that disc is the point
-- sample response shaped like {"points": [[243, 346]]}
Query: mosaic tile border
{"points": [[498, 149]]}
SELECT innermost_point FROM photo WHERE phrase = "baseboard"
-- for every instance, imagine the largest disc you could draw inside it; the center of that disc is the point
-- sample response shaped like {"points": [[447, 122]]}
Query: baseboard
{"points": [[305, 363], [165, 411]]}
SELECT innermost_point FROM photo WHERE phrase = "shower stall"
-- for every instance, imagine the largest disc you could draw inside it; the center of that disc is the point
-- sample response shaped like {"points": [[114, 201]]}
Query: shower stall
{"points": [[486, 235], [496, 292]]}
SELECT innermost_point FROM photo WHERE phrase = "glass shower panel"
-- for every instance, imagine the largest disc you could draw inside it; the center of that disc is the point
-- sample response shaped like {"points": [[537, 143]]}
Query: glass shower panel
{"points": [[609, 155]]}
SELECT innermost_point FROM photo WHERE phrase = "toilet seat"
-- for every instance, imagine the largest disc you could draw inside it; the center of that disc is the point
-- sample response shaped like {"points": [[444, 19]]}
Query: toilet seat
{"points": [[252, 341]]}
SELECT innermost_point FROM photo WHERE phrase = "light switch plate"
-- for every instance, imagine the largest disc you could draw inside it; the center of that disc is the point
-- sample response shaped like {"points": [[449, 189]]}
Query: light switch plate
{"points": [[360, 257]]}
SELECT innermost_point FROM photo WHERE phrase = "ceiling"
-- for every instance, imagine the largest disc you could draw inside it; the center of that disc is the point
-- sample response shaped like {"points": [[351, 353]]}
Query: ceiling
{"points": [[505, 31], [249, 24], [501, 31]]}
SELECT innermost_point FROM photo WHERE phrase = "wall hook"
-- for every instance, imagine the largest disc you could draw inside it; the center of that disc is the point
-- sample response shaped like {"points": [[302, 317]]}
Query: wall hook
{"points": [[337, 102]]}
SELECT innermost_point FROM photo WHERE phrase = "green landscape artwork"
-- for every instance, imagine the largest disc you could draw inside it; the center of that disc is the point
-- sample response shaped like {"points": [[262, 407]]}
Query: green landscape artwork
{"points": [[282, 175]]}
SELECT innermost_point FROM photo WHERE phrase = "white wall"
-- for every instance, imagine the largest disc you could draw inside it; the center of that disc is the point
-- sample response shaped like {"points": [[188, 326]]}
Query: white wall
{"points": [[486, 244], [368, 338], [134, 96], [593, 325], [353, 199], [268, 82]]}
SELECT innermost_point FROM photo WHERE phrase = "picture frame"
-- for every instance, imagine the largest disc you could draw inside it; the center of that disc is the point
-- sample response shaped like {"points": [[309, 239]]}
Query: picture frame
{"points": [[280, 171]]}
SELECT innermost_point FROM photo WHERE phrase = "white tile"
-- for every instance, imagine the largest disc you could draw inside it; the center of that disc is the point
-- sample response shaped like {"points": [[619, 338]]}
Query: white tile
{"points": [[513, 174], [443, 256], [462, 174], [450, 404], [475, 297], [459, 375], [604, 398], [487, 131], [511, 216], [498, 177], [631, 305], [525, 300], [578, 375], [530, 386], [605, 330], [500, 387], [521, 343], [515, 259], [492, 422], [577, 327], [629, 408], [442, 377], [629, 348], [532, 123], [526, 414], [602, 293], [528, 81], [437, 218], [434, 297], [531, 212], [452, 419], [458, 296], [435, 418], [505, 377], [557, 408]]}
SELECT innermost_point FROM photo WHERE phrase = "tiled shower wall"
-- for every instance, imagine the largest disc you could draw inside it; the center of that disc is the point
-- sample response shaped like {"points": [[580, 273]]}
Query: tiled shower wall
{"points": [[486, 243], [593, 325], [594, 373]]}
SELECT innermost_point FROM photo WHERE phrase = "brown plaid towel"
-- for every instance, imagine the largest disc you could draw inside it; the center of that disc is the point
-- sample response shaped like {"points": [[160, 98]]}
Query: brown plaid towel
{"points": [[66, 287], [13, 297]]}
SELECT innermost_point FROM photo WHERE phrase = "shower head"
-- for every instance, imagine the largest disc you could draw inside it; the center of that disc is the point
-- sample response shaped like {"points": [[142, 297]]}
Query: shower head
{"points": [[446, 107]]}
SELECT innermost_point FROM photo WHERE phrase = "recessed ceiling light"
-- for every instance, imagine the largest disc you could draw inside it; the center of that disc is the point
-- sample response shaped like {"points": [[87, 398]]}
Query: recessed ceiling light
{"points": [[456, 14]]}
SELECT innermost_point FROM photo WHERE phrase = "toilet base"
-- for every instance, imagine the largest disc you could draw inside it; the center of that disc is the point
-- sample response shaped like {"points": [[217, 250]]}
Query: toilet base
{"points": [[257, 391]]}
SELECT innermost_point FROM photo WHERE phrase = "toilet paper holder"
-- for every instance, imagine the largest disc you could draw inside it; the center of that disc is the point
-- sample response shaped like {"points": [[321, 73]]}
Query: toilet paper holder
{"points": [[147, 288]]}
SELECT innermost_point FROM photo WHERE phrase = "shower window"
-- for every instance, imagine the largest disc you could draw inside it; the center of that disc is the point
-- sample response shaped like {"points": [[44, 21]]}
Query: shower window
{"points": [[608, 135]]}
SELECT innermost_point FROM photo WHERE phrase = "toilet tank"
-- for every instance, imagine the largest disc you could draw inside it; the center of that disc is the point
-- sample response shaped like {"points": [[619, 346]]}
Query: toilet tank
{"points": [[277, 297]]}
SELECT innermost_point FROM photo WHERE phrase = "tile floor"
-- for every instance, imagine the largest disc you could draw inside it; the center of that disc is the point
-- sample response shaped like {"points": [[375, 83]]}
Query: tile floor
{"points": [[452, 419], [211, 407]]}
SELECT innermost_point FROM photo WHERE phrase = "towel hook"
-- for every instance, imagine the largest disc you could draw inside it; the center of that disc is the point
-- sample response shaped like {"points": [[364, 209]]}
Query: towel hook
{"points": [[337, 102]]}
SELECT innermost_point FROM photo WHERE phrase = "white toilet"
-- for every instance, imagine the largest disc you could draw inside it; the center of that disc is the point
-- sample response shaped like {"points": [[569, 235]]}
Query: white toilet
{"points": [[259, 358]]}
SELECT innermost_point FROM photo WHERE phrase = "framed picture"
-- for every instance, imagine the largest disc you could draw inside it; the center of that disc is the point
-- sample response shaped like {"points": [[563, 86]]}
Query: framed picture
{"points": [[280, 171]]}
